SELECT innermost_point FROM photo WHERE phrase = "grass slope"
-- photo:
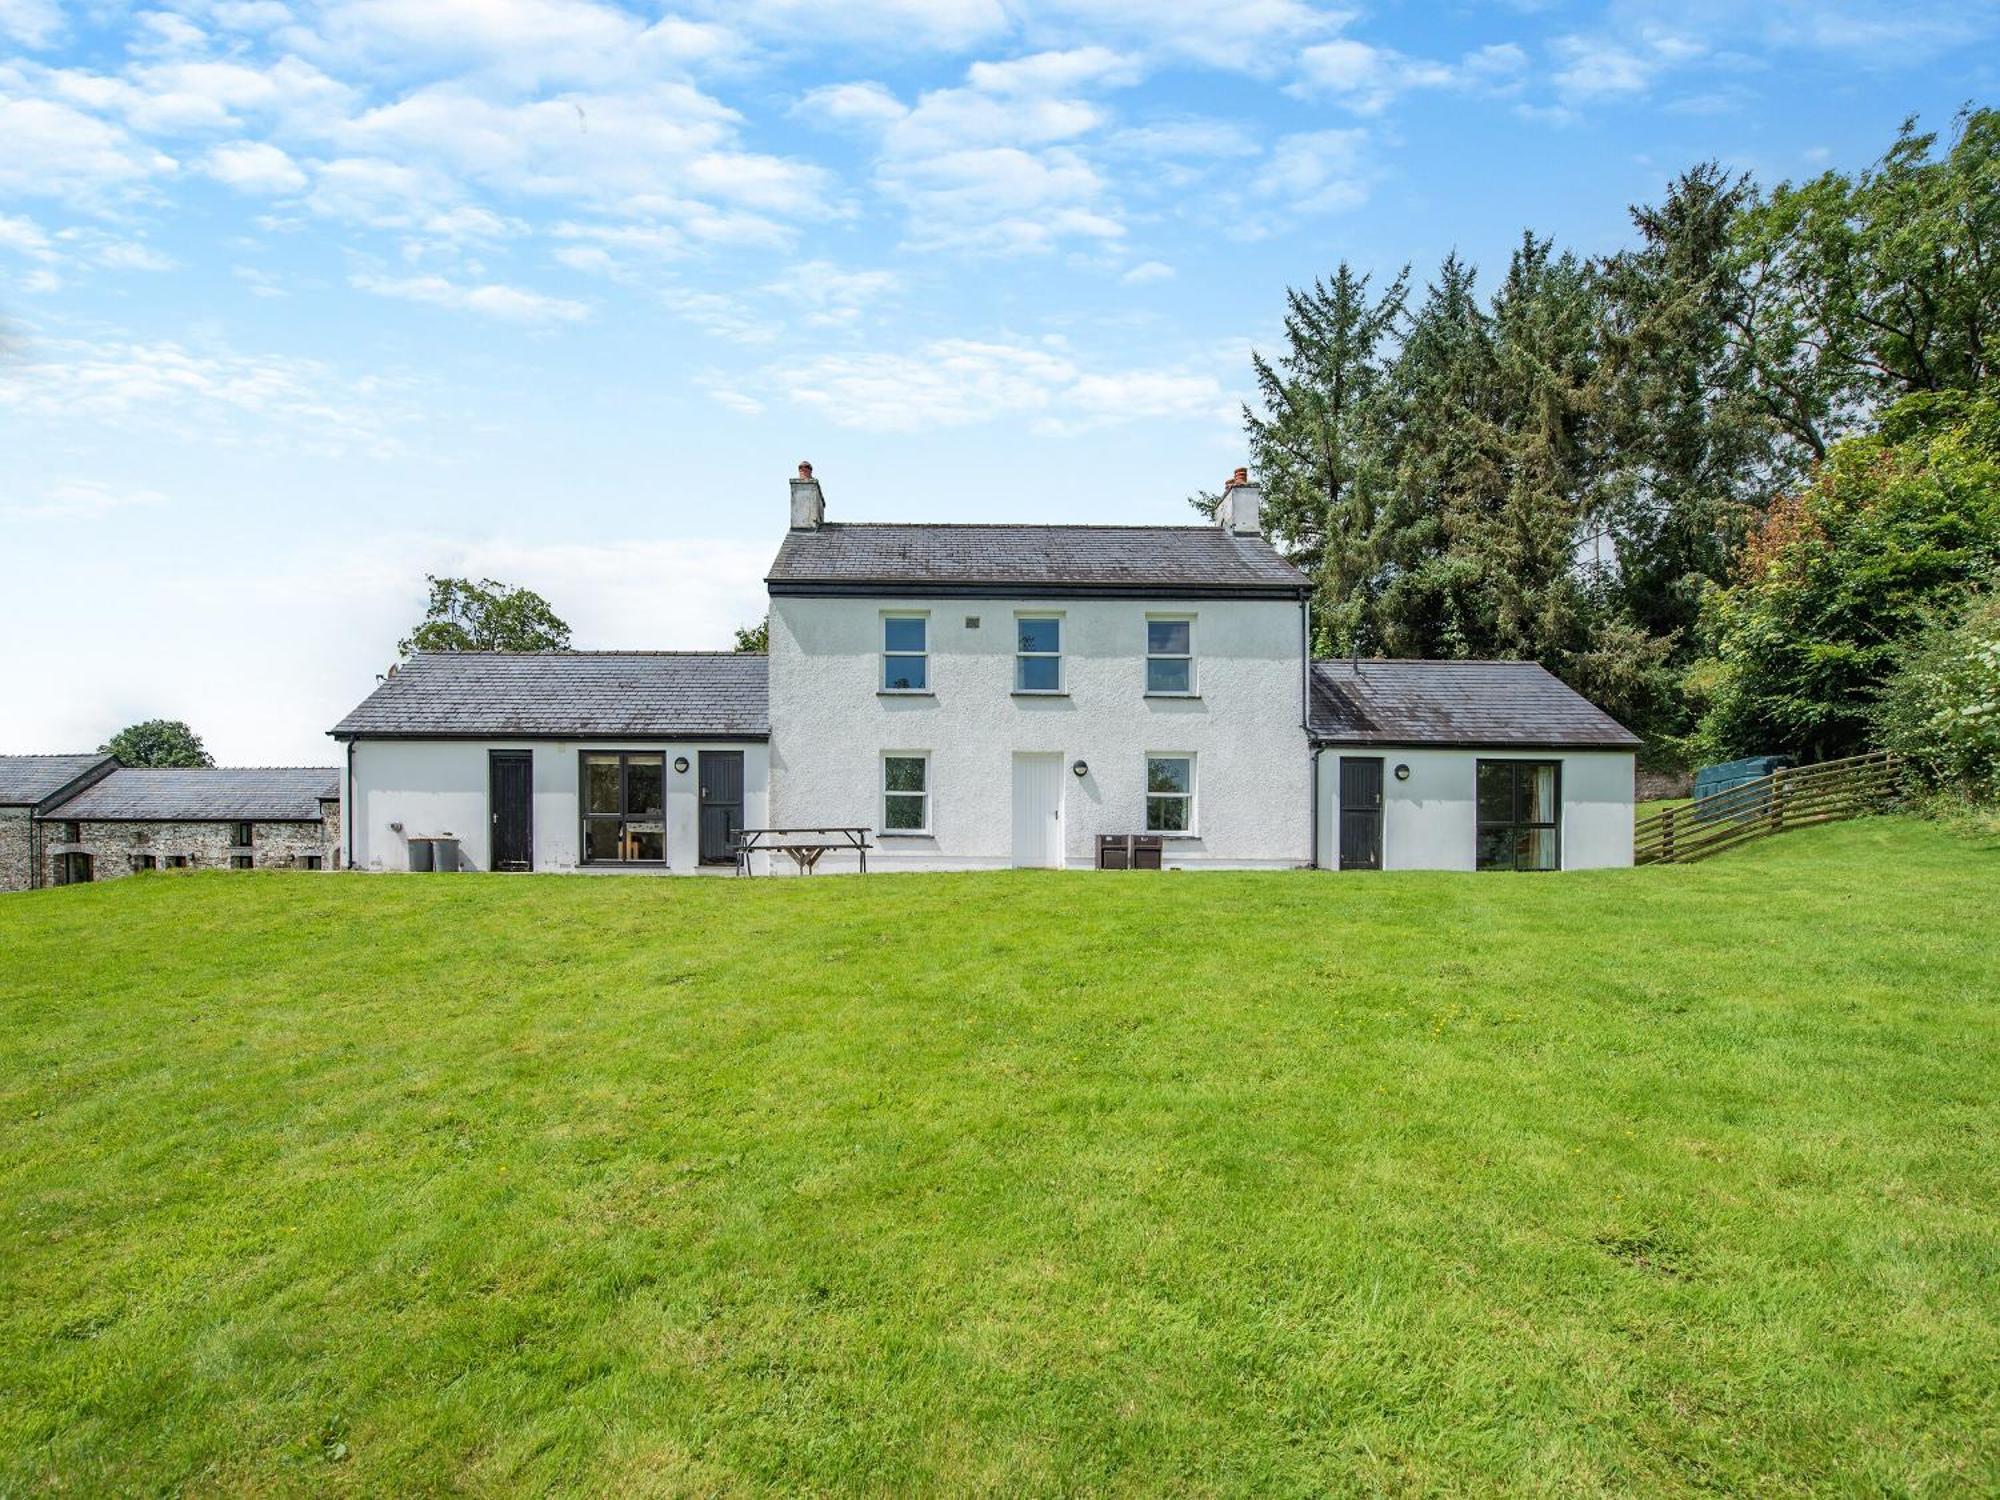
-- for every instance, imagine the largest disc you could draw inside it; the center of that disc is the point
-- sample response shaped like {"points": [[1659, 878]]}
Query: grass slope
{"points": [[1653, 1181]]}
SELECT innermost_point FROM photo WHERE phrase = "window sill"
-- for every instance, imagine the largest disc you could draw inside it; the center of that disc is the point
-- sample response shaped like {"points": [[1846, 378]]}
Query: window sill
{"points": [[1172, 838], [1040, 693], [1191, 696], [904, 693], [904, 833]]}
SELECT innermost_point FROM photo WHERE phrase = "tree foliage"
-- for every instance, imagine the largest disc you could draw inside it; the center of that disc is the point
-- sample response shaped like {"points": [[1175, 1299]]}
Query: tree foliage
{"points": [[1941, 706], [158, 742], [1570, 470], [485, 616], [1896, 526], [755, 640]]}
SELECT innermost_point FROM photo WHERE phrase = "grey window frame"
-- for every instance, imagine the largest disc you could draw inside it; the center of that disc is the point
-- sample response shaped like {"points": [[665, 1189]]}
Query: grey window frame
{"points": [[1516, 823], [585, 817]]}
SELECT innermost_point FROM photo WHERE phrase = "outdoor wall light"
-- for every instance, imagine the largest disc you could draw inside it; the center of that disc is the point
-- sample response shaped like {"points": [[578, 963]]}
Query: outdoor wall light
{"points": [[681, 764], [1402, 773], [1080, 767]]}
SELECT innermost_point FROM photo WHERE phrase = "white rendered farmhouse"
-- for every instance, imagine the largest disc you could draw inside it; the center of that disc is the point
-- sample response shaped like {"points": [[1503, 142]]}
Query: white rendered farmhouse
{"points": [[983, 696]]}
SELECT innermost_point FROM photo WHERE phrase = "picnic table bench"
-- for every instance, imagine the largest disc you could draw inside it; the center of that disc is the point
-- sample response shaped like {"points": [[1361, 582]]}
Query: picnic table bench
{"points": [[805, 845]]}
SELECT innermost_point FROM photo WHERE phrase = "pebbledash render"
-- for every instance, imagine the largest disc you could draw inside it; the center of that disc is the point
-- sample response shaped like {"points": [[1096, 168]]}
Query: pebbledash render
{"points": [[981, 696], [109, 820]]}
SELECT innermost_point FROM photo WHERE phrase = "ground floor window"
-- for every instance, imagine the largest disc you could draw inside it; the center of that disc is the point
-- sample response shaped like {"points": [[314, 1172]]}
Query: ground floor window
{"points": [[309, 861], [73, 869], [143, 862], [1519, 811], [1170, 794], [624, 808], [177, 861], [906, 793], [239, 861]]}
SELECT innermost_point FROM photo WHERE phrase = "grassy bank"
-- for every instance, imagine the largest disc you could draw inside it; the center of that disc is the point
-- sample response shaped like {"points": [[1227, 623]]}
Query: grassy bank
{"points": [[1659, 1181]]}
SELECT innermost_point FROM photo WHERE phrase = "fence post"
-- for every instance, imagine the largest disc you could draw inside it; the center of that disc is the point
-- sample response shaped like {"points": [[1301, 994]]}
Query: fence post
{"points": [[1777, 820], [1667, 835]]}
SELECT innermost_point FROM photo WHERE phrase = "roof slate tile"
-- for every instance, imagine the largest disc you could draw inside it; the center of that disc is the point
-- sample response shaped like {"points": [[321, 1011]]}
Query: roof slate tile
{"points": [[1456, 703], [569, 694], [210, 794]]}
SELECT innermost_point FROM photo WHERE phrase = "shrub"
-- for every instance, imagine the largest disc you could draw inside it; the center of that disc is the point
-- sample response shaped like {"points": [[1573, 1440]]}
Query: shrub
{"points": [[1941, 708]]}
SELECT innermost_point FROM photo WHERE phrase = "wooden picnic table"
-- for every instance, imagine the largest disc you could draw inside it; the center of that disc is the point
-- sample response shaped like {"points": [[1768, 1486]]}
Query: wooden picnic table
{"points": [[806, 846]]}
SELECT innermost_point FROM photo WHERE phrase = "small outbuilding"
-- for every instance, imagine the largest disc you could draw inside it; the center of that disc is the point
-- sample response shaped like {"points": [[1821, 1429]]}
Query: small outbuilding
{"points": [[1466, 765], [136, 818]]}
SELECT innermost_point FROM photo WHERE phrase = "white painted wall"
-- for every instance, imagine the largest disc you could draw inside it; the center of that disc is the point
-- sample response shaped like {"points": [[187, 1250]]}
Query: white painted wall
{"points": [[1428, 821], [830, 726], [440, 787]]}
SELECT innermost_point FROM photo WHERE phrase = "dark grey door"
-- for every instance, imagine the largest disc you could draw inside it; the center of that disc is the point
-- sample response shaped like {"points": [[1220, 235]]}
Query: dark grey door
{"points": [[721, 805], [511, 793], [1360, 813]]}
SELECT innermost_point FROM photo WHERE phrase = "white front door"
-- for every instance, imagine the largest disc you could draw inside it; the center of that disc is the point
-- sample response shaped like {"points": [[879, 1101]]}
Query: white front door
{"points": [[1038, 795]]}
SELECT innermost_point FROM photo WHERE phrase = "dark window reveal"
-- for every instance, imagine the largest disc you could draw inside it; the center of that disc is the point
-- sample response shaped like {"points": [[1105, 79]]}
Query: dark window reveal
{"points": [[240, 861], [73, 869], [243, 838], [1519, 815], [624, 809]]}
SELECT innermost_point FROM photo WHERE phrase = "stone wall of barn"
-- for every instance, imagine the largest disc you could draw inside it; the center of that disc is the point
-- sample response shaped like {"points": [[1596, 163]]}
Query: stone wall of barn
{"points": [[116, 849], [16, 848]]}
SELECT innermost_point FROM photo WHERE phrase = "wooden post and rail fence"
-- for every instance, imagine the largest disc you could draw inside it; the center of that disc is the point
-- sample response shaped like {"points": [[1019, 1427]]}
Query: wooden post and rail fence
{"points": [[1795, 797]]}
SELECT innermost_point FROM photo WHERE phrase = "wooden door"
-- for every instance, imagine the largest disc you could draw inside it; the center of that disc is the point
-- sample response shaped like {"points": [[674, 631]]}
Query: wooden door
{"points": [[511, 793], [1360, 812], [721, 805], [1038, 796]]}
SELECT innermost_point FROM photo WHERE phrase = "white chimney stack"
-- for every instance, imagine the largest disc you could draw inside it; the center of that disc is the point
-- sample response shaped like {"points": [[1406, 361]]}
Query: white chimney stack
{"points": [[808, 504], [1242, 507]]}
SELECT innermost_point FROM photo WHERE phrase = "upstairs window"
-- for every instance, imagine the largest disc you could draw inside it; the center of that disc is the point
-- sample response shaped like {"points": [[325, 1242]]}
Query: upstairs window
{"points": [[1519, 804], [242, 835], [1170, 794], [1038, 654], [1170, 657], [906, 658], [906, 794]]}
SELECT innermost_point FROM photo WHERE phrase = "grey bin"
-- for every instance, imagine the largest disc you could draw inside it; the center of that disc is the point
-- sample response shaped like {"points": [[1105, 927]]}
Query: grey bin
{"points": [[420, 856], [445, 859]]}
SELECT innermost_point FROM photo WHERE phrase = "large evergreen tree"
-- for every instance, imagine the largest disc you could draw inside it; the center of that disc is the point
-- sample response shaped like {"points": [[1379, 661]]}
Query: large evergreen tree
{"points": [[1314, 443]]}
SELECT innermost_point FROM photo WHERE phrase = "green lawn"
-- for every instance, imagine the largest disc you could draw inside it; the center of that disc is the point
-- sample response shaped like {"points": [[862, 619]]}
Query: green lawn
{"points": [[1663, 1181]]}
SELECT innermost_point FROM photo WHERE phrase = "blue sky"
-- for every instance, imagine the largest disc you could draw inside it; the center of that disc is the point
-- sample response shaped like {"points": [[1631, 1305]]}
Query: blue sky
{"points": [[304, 300]]}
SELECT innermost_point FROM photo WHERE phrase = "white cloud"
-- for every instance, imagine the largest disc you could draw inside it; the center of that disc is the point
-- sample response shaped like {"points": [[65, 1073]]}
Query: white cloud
{"points": [[958, 382], [23, 236], [32, 23], [55, 150], [82, 499], [1367, 79], [510, 304], [863, 104], [1319, 171], [213, 395], [828, 296], [1593, 68], [254, 167], [1145, 271], [130, 255]]}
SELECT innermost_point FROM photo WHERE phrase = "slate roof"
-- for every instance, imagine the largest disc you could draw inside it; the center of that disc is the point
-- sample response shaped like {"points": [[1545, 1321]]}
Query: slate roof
{"points": [[854, 557], [28, 779], [213, 794], [1470, 703], [569, 695]]}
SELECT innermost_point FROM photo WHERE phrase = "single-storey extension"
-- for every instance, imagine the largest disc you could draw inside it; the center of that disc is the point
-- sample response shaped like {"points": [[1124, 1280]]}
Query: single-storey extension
{"points": [[577, 760]]}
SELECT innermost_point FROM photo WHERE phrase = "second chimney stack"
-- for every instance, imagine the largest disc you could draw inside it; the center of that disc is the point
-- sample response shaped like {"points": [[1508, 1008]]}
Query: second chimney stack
{"points": [[1242, 507], [808, 504]]}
